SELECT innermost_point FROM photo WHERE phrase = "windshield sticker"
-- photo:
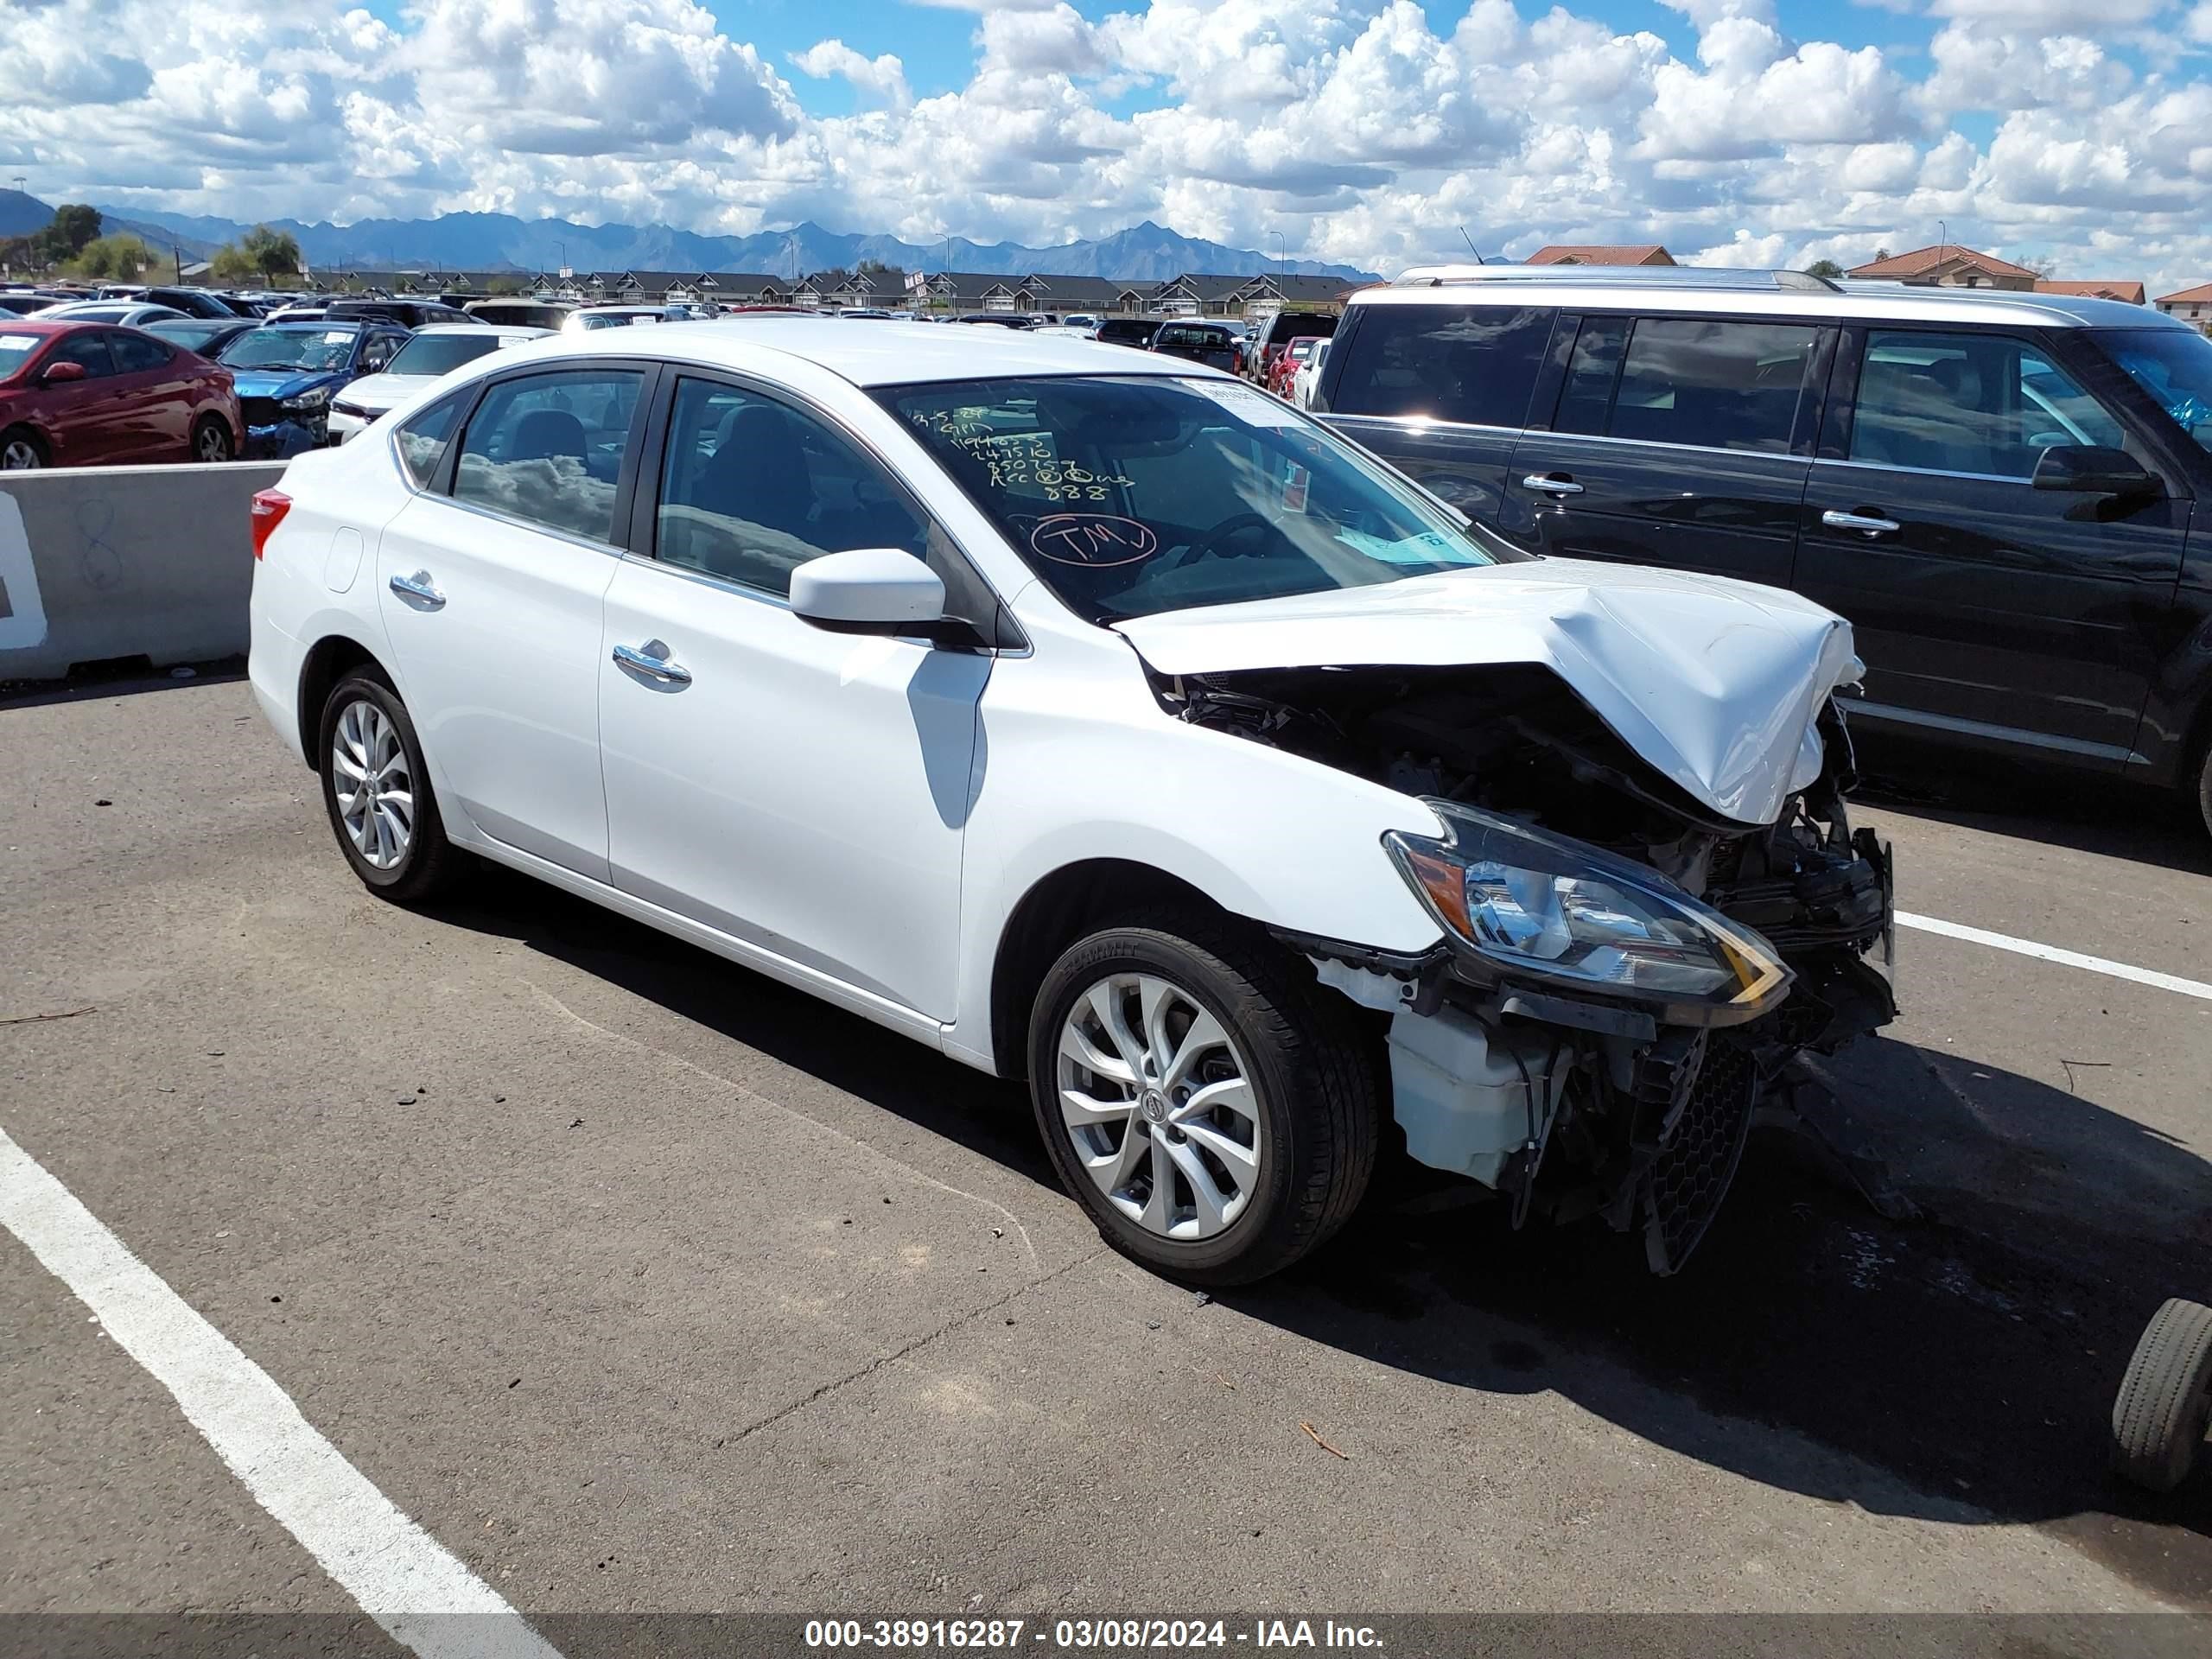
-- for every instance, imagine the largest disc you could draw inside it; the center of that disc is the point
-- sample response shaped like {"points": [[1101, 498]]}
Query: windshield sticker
{"points": [[1430, 547], [1294, 488], [17, 342], [337, 336], [1254, 408], [1094, 540]]}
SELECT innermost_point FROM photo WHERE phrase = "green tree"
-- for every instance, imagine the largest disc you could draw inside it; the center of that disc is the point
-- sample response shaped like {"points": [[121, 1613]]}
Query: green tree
{"points": [[503, 285], [1824, 268], [75, 224], [111, 259], [274, 253], [232, 264]]}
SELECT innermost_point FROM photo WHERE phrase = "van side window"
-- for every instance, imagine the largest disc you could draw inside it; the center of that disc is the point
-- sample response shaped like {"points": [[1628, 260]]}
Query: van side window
{"points": [[1716, 386], [1982, 403], [1585, 403], [1471, 364]]}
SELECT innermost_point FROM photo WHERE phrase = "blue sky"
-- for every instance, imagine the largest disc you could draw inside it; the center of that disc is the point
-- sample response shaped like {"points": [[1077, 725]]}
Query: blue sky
{"points": [[2073, 133]]}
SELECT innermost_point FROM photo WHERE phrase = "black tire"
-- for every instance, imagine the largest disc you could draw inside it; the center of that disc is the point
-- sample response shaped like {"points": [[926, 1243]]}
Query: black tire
{"points": [[210, 433], [1316, 1072], [22, 450], [430, 862], [2159, 1422], [2204, 788]]}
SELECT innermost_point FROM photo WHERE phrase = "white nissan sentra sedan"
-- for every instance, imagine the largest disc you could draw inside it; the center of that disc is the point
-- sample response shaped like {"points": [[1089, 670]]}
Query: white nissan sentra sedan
{"points": [[1100, 720]]}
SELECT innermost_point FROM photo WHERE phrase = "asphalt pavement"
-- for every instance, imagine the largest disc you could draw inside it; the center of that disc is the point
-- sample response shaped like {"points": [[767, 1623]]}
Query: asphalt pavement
{"points": [[644, 1284]]}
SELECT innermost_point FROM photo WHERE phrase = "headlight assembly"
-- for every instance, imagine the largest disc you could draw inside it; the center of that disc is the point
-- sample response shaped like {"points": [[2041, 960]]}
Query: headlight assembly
{"points": [[307, 402], [1545, 907]]}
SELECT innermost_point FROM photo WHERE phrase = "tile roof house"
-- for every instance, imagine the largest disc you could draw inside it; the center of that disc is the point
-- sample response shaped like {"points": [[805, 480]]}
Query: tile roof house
{"points": [[2097, 289], [981, 290], [2189, 304], [1949, 266], [1580, 253]]}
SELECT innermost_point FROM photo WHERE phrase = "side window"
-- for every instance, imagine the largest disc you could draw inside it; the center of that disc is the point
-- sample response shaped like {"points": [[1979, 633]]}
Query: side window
{"points": [[423, 439], [136, 353], [89, 349], [1585, 403], [751, 488], [549, 447], [1983, 403], [377, 352], [1718, 385], [1476, 365]]}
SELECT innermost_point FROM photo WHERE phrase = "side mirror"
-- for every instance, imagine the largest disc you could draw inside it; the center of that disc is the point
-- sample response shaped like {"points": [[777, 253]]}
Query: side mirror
{"points": [[869, 590], [2091, 469], [60, 374]]}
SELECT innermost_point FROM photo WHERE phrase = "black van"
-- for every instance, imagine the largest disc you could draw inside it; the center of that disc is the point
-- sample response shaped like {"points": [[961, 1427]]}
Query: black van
{"points": [[1997, 489]]}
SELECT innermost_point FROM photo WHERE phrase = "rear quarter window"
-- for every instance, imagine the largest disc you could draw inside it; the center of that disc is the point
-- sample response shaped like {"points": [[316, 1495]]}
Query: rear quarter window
{"points": [[1475, 365]]}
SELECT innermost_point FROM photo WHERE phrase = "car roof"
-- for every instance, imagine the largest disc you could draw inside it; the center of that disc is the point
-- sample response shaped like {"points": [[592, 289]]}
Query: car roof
{"points": [[484, 330], [333, 323], [898, 353], [1752, 293]]}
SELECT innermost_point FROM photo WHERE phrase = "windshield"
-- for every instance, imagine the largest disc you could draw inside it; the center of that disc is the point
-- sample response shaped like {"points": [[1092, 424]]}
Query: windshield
{"points": [[291, 348], [16, 350], [2174, 366], [433, 354], [190, 335], [1130, 496]]}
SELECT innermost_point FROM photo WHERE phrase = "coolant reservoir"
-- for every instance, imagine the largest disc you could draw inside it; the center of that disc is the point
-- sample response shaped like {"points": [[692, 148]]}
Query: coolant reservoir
{"points": [[1459, 1093]]}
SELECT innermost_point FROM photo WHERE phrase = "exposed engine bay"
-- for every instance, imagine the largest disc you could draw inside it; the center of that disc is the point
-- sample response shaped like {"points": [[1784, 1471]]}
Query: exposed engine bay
{"points": [[1581, 1098]]}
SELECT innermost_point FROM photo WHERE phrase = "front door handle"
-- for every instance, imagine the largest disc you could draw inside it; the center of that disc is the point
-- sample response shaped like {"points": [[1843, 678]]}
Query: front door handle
{"points": [[419, 586], [1551, 484], [1867, 522], [654, 667]]}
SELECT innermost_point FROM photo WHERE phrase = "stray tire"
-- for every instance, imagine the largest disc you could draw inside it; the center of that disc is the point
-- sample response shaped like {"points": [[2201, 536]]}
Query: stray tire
{"points": [[377, 792], [21, 450], [211, 441], [2159, 1422], [1215, 1114]]}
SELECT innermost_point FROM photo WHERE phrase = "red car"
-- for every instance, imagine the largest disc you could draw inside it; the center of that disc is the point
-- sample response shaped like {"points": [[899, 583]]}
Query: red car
{"points": [[1284, 372], [84, 394]]}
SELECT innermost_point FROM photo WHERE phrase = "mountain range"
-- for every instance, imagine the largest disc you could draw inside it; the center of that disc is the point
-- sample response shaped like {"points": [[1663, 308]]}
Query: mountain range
{"points": [[1146, 252]]}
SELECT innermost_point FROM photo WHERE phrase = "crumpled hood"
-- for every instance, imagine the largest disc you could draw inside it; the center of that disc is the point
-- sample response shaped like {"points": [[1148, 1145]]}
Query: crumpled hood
{"points": [[281, 383], [378, 393], [1715, 682]]}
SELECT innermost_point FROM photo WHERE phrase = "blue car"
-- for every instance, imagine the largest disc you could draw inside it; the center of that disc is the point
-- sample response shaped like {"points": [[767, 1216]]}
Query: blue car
{"points": [[287, 373]]}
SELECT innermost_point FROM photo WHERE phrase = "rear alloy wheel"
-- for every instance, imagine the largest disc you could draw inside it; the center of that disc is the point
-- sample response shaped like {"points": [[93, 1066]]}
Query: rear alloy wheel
{"points": [[20, 452], [211, 442], [377, 792], [1214, 1111]]}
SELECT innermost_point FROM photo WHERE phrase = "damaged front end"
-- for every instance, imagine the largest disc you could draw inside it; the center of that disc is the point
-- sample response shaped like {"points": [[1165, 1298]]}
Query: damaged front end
{"points": [[1625, 968]]}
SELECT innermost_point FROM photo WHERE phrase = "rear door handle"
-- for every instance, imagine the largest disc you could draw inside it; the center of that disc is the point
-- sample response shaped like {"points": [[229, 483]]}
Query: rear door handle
{"points": [[1551, 484], [654, 667], [1867, 522], [419, 586]]}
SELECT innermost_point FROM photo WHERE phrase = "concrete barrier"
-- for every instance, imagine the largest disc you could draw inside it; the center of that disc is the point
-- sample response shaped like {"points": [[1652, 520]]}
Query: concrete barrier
{"points": [[104, 561]]}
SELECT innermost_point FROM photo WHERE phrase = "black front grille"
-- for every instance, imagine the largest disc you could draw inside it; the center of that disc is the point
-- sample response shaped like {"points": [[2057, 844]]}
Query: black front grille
{"points": [[260, 411], [1693, 1170]]}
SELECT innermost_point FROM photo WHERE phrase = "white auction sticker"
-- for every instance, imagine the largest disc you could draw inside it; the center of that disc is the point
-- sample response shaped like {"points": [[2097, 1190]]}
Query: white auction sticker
{"points": [[1255, 406], [17, 342], [337, 336]]}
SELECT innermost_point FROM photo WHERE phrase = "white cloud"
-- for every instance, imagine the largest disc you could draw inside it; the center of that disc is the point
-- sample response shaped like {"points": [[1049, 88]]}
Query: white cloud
{"points": [[1369, 131], [882, 77]]}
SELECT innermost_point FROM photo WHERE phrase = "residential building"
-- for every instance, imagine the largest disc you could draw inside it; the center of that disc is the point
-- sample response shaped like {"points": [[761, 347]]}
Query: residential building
{"points": [[1949, 265], [2190, 305], [1578, 253], [2096, 289]]}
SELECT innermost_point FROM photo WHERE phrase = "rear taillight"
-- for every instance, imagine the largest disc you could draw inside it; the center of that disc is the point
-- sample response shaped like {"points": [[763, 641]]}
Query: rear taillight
{"points": [[270, 507]]}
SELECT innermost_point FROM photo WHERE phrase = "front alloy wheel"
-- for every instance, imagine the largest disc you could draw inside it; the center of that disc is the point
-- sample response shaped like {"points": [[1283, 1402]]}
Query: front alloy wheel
{"points": [[1159, 1106], [1213, 1109], [19, 452]]}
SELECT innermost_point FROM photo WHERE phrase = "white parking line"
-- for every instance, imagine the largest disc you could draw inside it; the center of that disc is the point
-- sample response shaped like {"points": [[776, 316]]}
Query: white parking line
{"points": [[2051, 953], [403, 1577]]}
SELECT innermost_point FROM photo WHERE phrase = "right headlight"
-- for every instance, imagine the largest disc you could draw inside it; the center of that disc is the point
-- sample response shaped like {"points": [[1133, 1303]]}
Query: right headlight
{"points": [[1544, 907]]}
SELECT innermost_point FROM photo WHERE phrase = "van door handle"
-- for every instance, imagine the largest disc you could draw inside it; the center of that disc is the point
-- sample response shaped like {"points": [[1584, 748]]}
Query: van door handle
{"points": [[419, 586], [1873, 526], [1551, 484], [654, 667]]}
